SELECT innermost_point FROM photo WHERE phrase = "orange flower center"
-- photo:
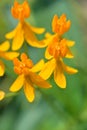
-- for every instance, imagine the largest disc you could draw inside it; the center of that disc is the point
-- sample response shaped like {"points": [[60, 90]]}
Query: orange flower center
{"points": [[23, 66], [20, 11], [60, 26], [58, 48]]}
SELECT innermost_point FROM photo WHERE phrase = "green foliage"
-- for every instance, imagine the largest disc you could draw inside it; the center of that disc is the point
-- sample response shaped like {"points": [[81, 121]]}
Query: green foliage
{"points": [[54, 109]]}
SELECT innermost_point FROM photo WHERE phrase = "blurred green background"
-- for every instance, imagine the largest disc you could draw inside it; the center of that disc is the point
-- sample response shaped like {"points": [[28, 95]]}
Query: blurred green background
{"points": [[55, 108]]}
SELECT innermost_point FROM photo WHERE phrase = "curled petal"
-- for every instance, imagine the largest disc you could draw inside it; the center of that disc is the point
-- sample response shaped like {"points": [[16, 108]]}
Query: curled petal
{"points": [[47, 55], [10, 55], [4, 46], [59, 76], [11, 34], [48, 69], [18, 38], [49, 38], [69, 53], [37, 67], [48, 35], [69, 69], [2, 95], [2, 68], [18, 83], [70, 43], [31, 38], [29, 90], [37, 30], [37, 80]]}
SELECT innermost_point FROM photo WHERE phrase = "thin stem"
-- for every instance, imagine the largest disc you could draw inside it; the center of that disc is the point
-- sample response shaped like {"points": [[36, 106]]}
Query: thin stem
{"points": [[11, 95]]}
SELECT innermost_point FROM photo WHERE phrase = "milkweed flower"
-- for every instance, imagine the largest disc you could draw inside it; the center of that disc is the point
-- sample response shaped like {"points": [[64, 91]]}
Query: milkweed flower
{"points": [[2, 95], [58, 48], [27, 76], [24, 31], [55, 52], [8, 55]]}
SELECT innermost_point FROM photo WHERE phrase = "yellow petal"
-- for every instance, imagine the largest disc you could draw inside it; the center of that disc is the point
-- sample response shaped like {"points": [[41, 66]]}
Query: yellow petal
{"points": [[11, 34], [31, 38], [2, 95], [70, 43], [18, 38], [4, 46], [47, 69], [37, 67], [18, 83], [37, 30], [2, 68], [59, 76], [47, 55], [37, 80], [69, 69], [29, 91], [48, 35], [10, 55], [69, 54]]}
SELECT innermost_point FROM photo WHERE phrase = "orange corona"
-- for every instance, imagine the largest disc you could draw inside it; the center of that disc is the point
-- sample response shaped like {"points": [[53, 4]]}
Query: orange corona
{"points": [[22, 66], [60, 25], [58, 48], [20, 11]]}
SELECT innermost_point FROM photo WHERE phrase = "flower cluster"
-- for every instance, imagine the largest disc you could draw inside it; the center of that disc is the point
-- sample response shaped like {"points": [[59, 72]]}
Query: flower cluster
{"points": [[57, 49], [31, 76]]}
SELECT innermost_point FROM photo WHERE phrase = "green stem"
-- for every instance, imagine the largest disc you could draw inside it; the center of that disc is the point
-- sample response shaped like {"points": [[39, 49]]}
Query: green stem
{"points": [[11, 95], [25, 47]]}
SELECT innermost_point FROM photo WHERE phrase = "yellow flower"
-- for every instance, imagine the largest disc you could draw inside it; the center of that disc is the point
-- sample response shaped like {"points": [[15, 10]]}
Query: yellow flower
{"points": [[27, 77], [8, 55], [60, 25], [24, 31], [58, 47], [55, 52], [2, 95]]}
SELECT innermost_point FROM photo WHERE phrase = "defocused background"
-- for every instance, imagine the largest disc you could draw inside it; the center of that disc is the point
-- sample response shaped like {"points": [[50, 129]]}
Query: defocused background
{"points": [[54, 109]]}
